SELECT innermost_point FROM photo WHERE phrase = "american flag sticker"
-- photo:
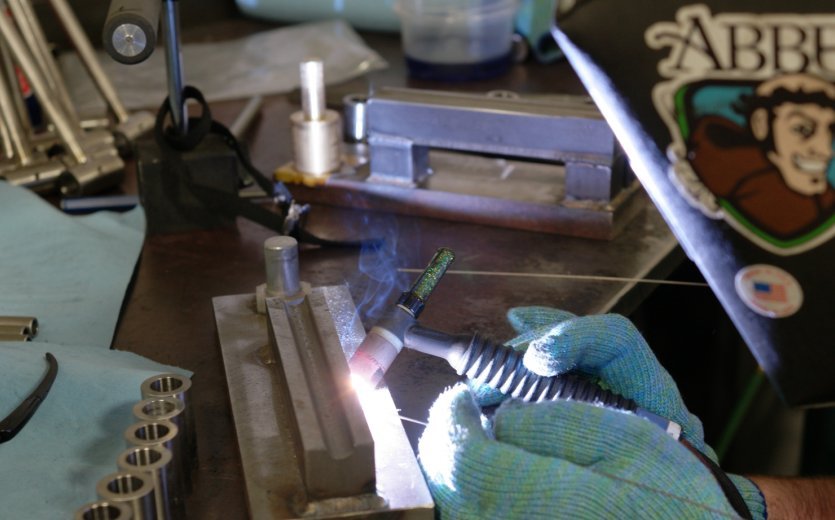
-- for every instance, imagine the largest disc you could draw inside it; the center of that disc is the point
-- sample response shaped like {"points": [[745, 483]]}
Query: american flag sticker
{"points": [[769, 291]]}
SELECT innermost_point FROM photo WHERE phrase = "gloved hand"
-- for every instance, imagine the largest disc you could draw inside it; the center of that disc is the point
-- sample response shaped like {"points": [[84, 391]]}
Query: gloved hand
{"points": [[567, 459]]}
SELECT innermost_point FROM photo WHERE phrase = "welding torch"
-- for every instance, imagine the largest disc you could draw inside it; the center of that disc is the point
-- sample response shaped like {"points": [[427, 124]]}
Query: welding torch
{"points": [[482, 360], [486, 362]]}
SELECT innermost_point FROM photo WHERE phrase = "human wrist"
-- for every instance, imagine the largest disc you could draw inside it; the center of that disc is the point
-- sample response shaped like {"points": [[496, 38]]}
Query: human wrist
{"points": [[786, 497]]}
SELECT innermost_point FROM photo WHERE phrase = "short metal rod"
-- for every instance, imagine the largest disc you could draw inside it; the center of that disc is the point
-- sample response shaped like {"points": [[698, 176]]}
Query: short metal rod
{"points": [[30, 69], [281, 259], [34, 36], [246, 117], [11, 72], [18, 137], [88, 58], [6, 138], [174, 65], [312, 80]]}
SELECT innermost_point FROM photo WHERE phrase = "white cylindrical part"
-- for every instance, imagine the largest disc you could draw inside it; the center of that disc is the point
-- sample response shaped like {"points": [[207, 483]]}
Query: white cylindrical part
{"points": [[317, 145], [312, 89]]}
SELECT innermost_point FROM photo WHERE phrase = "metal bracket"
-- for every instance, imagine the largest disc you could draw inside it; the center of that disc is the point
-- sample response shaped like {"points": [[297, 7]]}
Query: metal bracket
{"points": [[548, 164]]}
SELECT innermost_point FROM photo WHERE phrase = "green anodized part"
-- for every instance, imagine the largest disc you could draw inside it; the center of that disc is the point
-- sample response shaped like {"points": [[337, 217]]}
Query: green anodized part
{"points": [[429, 278]]}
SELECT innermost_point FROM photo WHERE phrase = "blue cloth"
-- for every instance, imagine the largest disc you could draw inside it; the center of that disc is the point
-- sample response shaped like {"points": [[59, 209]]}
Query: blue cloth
{"points": [[69, 272], [52, 466]]}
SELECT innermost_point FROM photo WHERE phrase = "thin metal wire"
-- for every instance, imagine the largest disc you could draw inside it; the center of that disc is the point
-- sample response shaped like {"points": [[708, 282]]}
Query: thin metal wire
{"points": [[590, 278]]}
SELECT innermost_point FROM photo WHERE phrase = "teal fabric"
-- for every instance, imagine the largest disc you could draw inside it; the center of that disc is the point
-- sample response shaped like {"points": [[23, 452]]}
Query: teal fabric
{"points": [[569, 459], [69, 272], [52, 466]]}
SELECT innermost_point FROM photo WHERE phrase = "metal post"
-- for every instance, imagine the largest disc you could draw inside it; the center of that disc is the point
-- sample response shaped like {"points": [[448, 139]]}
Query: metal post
{"points": [[32, 33], [39, 83], [88, 58], [174, 63]]}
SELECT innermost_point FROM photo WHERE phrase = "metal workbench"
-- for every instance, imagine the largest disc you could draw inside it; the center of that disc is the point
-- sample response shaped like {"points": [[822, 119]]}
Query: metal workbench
{"points": [[168, 313]]}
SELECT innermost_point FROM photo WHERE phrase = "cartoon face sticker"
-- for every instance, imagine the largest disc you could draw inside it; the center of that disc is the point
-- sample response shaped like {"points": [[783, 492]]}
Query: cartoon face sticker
{"points": [[751, 142], [796, 129]]}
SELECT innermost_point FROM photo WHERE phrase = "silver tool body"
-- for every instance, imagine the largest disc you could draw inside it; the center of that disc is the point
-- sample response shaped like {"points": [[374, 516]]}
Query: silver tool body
{"points": [[156, 462], [316, 130], [135, 490]]}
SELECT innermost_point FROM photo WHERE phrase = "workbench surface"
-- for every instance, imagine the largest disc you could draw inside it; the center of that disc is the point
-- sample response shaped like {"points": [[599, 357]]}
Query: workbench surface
{"points": [[168, 313]]}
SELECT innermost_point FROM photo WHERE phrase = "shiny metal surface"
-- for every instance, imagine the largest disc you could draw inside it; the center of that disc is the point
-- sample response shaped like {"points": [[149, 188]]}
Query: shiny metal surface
{"points": [[17, 132], [88, 57], [169, 409], [174, 64], [135, 490], [33, 34], [337, 451], [103, 510], [178, 387], [129, 39], [261, 411], [156, 462], [312, 84], [63, 124], [355, 118], [281, 260], [150, 434], [97, 173], [569, 130], [317, 143], [248, 114], [316, 131], [28, 323]]}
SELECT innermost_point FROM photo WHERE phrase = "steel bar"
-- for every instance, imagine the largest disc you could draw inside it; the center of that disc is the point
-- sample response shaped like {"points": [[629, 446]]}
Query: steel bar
{"points": [[11, 72], [63, 125], [33, 34], [337, 449], [404, 123], [247, 116], [18, 134], [89, 59], [174, 65]]}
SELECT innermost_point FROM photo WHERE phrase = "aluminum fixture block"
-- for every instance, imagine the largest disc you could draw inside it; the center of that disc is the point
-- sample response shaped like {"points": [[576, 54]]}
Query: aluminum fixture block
{"points": [[404, 123], [336, 448], [263, 417]]}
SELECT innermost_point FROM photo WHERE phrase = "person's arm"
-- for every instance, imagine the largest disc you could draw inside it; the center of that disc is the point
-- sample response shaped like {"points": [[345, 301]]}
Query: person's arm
{"points": [[809, 498]]}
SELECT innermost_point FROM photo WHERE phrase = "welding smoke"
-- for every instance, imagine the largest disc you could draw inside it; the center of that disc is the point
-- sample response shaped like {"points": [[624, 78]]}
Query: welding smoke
{"points": [[378, 281]]}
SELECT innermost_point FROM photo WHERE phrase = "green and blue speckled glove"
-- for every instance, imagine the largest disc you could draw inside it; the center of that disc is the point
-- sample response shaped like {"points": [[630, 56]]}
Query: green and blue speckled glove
{"points": [[567, 459]]}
